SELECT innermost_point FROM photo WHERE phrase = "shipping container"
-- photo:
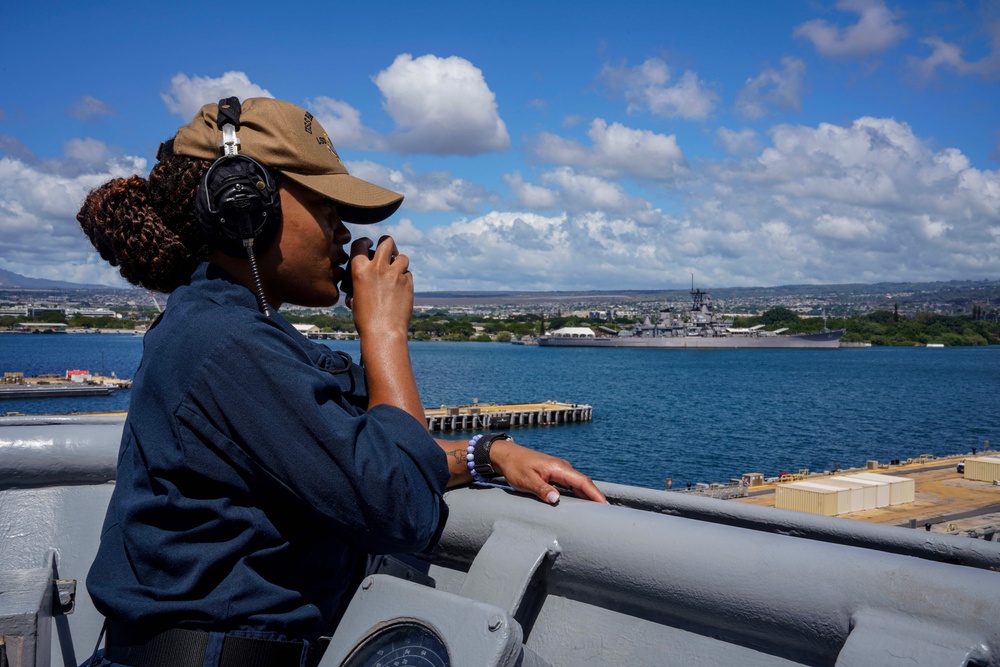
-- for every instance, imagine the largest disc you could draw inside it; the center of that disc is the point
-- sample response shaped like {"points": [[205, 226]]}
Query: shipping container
{"points": [[862, 497], [881, 488], [982, 468], [902, 490], [808, 497]]}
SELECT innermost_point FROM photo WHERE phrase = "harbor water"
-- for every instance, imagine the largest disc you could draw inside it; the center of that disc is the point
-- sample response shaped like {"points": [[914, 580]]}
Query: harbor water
{"points": [[687, 415]]}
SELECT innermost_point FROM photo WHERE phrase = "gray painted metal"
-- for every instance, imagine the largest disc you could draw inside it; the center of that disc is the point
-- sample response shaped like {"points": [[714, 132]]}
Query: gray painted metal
{"points": [[662, 578], [783, 596], [475, 633], [921, 544]]}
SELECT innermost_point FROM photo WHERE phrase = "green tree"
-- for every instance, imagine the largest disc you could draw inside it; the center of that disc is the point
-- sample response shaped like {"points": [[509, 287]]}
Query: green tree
{"points": [[779, 317]]}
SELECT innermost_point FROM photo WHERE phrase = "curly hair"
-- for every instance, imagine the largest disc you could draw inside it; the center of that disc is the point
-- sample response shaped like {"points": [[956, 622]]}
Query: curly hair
{"points": [[148, 228]]}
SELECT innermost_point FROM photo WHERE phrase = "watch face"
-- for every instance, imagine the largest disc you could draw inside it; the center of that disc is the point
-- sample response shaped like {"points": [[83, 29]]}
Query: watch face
{"points": [[406, 644]]}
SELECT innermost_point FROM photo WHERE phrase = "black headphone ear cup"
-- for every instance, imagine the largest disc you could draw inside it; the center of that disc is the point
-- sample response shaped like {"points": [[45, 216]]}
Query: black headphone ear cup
{"points": [[238, 200]]}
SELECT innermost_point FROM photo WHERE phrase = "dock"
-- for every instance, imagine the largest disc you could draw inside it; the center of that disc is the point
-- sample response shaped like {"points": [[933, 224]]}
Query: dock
{"points": [[72, 383], [945, 501], [53, 390], [483, 416]]}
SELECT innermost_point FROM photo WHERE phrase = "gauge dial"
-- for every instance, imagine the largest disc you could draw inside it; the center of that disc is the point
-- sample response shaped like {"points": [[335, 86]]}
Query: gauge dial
{"points": [[405, 644]]}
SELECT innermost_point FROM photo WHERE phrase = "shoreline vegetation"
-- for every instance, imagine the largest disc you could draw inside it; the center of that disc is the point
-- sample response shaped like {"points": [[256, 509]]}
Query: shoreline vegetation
{"points": [[879, 328]]}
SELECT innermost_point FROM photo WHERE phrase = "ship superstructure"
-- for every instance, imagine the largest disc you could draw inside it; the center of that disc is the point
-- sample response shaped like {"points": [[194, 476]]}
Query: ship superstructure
{"points": [[699, 327]]}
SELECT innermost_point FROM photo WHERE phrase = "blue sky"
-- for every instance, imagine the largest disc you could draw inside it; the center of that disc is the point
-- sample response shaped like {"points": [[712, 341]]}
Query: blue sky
{"points": [[550, 145]]}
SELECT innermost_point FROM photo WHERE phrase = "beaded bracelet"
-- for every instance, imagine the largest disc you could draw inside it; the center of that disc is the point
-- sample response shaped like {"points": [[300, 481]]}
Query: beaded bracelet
{"points": [[471, 459]]}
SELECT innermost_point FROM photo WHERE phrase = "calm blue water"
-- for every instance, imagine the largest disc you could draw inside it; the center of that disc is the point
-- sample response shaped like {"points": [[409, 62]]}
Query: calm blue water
{"points": [[691, 415]]}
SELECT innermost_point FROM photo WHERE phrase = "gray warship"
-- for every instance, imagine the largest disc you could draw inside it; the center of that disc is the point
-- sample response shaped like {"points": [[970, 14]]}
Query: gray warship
{"points": [[700, 327], [657, 578]]}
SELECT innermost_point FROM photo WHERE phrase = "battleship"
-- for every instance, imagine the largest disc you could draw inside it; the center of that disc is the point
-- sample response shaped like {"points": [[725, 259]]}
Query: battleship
{"points": [[701, 327]]}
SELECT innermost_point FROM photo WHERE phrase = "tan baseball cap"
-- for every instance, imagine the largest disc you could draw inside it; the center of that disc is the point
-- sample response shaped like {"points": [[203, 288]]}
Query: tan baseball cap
{"points": [[286, 138]]}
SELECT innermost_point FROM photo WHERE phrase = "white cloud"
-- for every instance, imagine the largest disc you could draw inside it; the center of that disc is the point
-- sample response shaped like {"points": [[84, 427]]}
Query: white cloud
{"points": [[743, 142], [342, 123], [539, 253], [946, 55], [639, 153], [875, 161], [869, 201], [88, 108], [39, 234], [865, 202], [616, 150], [876, 30], [88, 151], [848, 230], [404, 233], [189, 94], [528, 195], [646, 88], [781, 88], [559, 150], [581, 193], [427, 191], [441, 106]]}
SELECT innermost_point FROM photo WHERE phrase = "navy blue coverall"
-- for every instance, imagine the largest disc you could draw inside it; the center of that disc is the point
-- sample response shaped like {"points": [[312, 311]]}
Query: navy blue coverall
{"points": [[253, 480]]}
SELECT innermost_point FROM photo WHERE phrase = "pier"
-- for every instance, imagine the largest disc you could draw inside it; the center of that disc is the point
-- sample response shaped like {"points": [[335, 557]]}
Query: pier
{"points": [[482, 416]]}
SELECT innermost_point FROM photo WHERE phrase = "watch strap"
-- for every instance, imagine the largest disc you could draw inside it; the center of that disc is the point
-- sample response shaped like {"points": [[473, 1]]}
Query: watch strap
{"points": [[481, 454]]}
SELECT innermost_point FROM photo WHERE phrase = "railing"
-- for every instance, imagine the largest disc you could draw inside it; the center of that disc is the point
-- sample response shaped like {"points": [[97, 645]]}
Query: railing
{"points": [[656, 578]]}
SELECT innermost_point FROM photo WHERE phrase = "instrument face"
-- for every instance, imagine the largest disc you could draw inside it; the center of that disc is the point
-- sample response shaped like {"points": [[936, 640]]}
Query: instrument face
{"points": [[406, 643]]}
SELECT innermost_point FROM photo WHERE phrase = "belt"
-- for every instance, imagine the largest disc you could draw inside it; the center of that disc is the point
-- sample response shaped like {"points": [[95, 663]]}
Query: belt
{"points": [[178, 647]]}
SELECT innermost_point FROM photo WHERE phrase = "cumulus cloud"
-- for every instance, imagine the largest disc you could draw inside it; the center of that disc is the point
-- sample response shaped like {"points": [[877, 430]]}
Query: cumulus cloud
{"points": [[187, 95], [87, 151], [578, 193], [740, 142], [528, 195], [427, 191], [408, 237], [781, 88], [946, 55], [39, 234], [539, 253], [870, 200], [877, 30], [863, 202], [343, 123], [89, 108], [646, 87], [616, 150], [441, 106]]}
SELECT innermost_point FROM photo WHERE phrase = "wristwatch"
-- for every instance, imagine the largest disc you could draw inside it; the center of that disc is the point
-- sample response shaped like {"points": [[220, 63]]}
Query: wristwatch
{"points": [[481, 454]]}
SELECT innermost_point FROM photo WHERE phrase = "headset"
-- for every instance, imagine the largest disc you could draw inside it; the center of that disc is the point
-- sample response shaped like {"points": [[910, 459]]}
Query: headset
{"points": [[238, 205]]}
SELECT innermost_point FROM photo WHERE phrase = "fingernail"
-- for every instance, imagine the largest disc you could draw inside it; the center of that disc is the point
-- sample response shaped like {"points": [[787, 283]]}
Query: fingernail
{"points": [[553, 497]]}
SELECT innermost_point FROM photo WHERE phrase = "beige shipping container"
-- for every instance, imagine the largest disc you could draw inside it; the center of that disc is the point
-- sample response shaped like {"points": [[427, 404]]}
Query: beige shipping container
{"points": [[862, 497], [843, 495], [808, 497], [902, 490], [983, 468], [881, 488]]}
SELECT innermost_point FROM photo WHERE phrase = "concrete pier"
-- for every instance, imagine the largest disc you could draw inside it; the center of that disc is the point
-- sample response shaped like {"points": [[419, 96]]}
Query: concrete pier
{"points": [[493, 416]]}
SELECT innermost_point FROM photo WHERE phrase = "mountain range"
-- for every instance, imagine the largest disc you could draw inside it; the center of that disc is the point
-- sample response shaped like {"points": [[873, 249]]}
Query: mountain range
{"points": [[11, 280], [955, 291]]}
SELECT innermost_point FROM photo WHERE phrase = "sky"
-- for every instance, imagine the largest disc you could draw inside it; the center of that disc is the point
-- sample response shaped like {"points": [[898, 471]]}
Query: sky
{"points": [[549, 145]]}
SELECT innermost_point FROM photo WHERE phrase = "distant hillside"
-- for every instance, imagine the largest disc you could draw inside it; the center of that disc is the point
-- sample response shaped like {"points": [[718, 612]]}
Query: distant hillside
{"points": [[960, 290], [11, 280]]}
